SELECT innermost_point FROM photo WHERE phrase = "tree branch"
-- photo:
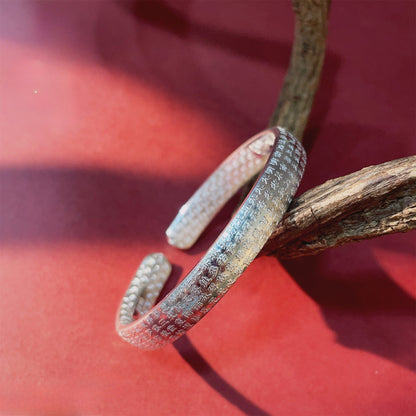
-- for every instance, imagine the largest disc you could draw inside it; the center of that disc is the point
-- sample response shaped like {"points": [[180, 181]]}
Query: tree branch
{"points": [[374, 201], [302, 78]]}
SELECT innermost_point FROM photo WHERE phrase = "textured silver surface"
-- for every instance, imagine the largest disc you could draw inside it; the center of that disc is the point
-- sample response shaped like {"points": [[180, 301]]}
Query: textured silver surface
{"points": [[145, 287], [225, 181], [234, 249]]}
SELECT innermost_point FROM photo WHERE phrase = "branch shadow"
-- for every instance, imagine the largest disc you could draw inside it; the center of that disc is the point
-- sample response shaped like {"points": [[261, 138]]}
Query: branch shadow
{"points": [[56, 203], [160, 15], [125, 36], [367, 310], [53, 204]]}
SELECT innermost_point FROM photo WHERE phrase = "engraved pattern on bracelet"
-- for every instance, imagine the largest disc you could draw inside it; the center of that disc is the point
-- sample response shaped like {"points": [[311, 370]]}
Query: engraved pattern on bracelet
{"points": [[231, 253]]}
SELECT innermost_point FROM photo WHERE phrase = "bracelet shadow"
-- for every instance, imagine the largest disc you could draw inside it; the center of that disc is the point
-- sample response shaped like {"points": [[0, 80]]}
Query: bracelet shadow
{"points": [[104, 205], [201, 366], [367, 311], [44, 205]]}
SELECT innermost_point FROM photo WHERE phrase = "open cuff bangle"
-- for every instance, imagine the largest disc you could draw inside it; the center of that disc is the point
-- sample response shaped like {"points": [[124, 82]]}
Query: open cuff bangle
{"points": [[230, 254]]}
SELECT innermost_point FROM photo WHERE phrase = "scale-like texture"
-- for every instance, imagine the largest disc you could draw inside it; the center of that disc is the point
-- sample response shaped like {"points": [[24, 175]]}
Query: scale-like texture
{"points": [[237, 169], [234, 249]]}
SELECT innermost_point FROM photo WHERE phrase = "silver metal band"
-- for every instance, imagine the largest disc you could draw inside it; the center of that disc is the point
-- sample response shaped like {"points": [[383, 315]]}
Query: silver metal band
{"points": [[230, 254]]}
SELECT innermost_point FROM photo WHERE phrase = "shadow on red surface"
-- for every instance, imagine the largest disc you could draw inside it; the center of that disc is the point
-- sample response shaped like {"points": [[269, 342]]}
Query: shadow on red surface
{"points": [[58, 203], [80, 204], [369, 311], [273, 52], [52, 204], [168, 61], [191, 355]]}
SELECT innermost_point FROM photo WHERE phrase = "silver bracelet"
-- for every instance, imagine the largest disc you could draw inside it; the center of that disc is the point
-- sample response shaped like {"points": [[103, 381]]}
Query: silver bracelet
{"points": [[148, 327]]}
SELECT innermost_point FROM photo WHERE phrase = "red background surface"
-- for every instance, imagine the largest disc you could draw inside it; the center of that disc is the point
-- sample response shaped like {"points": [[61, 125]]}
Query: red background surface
{"points": [[111, 114]]}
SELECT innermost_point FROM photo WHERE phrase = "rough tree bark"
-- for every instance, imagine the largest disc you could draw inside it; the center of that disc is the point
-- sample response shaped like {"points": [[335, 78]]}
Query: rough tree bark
{"points": [[306, 60], [374, 201]]}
